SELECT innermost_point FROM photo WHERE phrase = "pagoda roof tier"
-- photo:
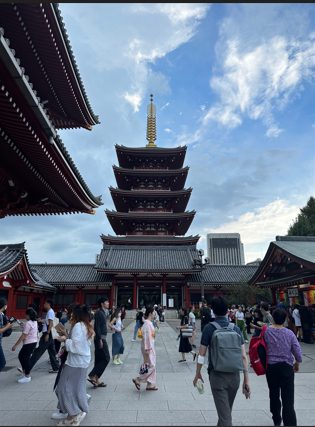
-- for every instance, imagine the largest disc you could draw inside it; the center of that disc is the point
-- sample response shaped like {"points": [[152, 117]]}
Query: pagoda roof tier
{"points": [[163, 223], [37, 174], [128, 179], [126, 200], [143, 157], [150, 240], [38, 37], [132, 259]]}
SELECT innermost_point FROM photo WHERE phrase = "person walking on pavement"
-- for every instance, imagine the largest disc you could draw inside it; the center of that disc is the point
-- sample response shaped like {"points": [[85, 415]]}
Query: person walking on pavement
{"points": [[117, 339], [46, 341], [297, 321], [138, 325], [240, 322], [224, 377], [282, 345], [148, 369], [267, 317], [71, 388], [101, 355], [29, 339], [3, 327], [184, 343], [205, 314]]}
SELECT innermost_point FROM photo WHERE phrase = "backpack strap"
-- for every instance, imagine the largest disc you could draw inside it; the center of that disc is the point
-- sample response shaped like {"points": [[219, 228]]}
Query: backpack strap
{"points": [[216, 325]]}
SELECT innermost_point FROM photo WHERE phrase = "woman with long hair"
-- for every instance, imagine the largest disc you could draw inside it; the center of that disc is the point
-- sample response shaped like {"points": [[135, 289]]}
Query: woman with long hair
{"points": [[184, 344], [148, 369], [117, 339], [29, 339], [71, 388]]}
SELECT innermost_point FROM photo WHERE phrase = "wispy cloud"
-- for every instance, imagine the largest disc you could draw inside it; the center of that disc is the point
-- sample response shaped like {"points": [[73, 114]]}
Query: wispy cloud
{"points": [[258, 82], [260, 226]]}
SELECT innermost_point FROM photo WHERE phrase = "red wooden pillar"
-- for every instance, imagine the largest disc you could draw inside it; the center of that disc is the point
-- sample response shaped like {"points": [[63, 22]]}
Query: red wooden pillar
{"points": [[11, 300], [164, 289], [135, 293], [80, 296], [187, 296]]}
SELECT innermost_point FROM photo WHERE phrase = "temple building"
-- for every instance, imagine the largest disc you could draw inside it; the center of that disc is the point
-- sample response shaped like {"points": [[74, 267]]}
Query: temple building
{"points": [[41, 91], [288, 270]]}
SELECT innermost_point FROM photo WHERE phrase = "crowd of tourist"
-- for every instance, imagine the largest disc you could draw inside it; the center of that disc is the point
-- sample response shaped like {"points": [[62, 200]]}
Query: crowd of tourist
{"points": [[224, 332]]}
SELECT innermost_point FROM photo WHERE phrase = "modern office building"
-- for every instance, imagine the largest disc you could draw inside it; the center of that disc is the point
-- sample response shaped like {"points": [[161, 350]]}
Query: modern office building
{"points": [[225, 249]]}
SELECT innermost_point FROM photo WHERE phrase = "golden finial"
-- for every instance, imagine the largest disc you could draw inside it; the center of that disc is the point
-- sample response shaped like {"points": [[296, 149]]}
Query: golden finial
{"points": [[151, 124]]}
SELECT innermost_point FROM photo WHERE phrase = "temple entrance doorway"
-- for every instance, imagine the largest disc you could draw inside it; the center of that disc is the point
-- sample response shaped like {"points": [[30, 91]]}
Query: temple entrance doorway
{"points": [[149, 295], [124, 297]]}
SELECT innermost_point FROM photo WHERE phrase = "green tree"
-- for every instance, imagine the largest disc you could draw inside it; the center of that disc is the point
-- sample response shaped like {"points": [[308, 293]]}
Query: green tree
{"points": [[304, 225], [248, 295]]}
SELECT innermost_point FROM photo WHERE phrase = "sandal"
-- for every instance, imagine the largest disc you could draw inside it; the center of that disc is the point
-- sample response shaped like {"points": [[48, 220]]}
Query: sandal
{"points": [[183, 360], [101, 384], [92, 382], [136, 384], [152, 388]]}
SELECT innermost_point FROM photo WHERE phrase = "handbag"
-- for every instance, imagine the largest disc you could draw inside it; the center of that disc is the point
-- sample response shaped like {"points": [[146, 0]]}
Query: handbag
{"points": [[187, 332], [144, 369], [139, 335]]}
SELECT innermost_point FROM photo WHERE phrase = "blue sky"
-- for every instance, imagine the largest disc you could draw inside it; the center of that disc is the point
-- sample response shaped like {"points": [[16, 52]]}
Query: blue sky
{"points": [[235, 82]]}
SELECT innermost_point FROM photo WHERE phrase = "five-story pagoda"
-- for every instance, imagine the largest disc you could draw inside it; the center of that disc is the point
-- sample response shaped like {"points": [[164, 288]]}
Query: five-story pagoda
{"points": [[148, 262]]}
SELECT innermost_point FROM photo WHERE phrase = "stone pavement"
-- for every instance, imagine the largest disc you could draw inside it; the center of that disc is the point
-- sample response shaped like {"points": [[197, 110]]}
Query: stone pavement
{"points": [[176, 402]]}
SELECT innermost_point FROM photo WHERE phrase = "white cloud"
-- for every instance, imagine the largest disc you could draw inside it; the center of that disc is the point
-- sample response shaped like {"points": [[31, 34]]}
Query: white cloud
{"points": [[134, 100], [164, 106], [168, 130], [134, 37], [259, 227], [257, 82]]}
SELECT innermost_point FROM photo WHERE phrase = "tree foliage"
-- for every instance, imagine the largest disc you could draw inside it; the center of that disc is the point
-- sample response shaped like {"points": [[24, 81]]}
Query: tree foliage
{"points": [[248, 295], [304, 224]]}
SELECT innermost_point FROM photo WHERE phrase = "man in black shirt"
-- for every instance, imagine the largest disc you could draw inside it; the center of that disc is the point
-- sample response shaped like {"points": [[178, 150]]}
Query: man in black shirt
{"points": [[101, 355], [224, 385], [205, 315]]}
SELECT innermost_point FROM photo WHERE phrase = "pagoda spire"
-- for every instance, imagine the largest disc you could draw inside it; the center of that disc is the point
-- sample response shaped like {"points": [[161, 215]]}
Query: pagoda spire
{"points": [[151, 124]]}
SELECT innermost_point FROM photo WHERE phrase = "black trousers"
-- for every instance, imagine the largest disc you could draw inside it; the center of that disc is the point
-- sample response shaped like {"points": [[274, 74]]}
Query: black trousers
{"points": [[280, 378], [25, 356], [101, 360], [40, 350]]}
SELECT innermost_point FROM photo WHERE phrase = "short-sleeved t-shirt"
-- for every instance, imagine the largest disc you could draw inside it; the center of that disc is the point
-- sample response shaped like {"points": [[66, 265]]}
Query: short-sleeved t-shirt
{"points": [[30, 329], [49, 316], [208, 332]]}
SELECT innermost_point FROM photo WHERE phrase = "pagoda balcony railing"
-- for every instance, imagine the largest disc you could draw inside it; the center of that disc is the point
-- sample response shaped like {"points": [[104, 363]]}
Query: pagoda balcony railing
{"points": [[150, 210]]}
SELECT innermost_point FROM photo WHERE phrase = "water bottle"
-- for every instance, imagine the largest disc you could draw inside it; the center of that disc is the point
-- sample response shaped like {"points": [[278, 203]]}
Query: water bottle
{"points": [[199, 386]]}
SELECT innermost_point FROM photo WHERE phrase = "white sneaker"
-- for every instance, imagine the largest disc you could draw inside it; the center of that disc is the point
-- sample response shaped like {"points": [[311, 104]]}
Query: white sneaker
{"points": [[133, 340], [81, 417], [58, 416], [246, 341], [120, 362], [24, 380]]}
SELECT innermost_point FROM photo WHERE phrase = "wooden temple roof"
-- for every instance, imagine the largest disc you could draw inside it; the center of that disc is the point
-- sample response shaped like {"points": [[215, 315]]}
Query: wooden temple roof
{"points": [[72, 274], [40, 41], [289, 260], [149, 240], [131, 259], [173, 178], [14, 265], [37, 174], [128, 157], [175, 201], [223, 275], [126, 223]]}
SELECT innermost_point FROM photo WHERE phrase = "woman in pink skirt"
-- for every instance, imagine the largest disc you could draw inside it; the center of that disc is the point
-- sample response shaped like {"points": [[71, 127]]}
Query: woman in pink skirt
{"points": [[148, 369]]}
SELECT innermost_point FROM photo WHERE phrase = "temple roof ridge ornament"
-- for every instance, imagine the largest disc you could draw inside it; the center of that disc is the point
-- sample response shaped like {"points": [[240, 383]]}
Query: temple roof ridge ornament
{"points": [[151, 124]]}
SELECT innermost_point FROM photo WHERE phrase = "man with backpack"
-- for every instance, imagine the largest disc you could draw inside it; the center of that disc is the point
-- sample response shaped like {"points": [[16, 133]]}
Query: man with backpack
{"points": [[227, 357]]}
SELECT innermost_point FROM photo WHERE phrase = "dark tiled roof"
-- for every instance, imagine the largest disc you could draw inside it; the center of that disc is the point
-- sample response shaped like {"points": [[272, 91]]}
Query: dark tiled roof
{"points": [[224, 274], [41, 283], [10, 256], [303, 249], [63, 274], [149, 240], [148, 258]]}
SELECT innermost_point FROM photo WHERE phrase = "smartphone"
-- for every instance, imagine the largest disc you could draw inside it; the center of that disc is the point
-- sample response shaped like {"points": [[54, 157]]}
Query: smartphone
{"points": [[246, 391], [12, 319]]}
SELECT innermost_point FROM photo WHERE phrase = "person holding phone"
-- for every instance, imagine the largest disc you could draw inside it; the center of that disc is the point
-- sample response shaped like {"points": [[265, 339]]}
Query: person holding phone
{"points": [[3, 328]]}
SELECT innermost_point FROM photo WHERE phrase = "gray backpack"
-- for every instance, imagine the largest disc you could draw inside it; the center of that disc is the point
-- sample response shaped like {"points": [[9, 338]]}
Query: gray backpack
{"points": [[226, 349]]}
